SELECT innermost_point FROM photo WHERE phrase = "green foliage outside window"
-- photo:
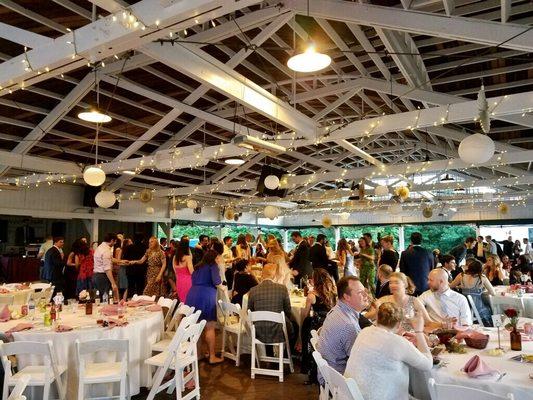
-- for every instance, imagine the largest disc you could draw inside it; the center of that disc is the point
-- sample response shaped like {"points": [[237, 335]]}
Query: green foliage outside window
{"points": [[442, 237], [193, 231], [355, 232]]}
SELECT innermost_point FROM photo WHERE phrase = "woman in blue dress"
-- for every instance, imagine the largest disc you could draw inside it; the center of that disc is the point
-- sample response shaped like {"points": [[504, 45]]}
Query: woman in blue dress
{"points": [[203, 296]]}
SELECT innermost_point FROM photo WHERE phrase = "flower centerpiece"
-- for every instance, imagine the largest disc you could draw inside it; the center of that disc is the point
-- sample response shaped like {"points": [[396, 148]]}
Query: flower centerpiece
{"points": [[84, 296], [512, 325]]}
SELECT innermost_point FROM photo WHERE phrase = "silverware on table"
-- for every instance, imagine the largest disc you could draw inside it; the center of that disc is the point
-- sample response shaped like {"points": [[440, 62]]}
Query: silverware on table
{"points": [[501, 376]]}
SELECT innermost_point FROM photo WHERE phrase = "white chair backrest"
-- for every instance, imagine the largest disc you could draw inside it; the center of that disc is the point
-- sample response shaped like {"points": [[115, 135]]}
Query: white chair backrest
{"points": [[40, 285], [143, 297], [34, 348], [7, 299], [184, 341], [182, 311], [168, 303], [474, 309], [342, 387], [48, 293], [321, 366], [269, 316], [314, 339], [440, 391], [185, 310], [16, 393], [229, 309], [500, 303], [119, 348]]}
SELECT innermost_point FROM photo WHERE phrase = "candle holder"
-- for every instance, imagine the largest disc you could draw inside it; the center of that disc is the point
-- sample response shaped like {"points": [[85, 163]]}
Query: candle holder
{"points": [[497, 322]]}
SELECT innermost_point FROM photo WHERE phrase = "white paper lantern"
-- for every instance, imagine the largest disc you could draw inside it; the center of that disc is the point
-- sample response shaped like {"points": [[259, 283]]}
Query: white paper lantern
{"points": [[229, 213], [381, 190], [272, 182], [427, 212], [192, 204], [345, 216], [487, 196], [149, 210], [94, 176], [476, 149], [326, 221], [105, 199], [271, 212], [395, 208]]}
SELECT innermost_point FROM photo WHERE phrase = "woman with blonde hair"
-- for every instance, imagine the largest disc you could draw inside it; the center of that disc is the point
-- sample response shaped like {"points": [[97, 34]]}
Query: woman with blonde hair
{"points": [[157, 263], [346, 258], [494, 270], [277, 256], [402, 288]]}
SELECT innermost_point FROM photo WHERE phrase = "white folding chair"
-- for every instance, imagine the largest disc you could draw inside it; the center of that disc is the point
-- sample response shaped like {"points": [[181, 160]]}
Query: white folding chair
{"points": [[48, 293], [342, 388], [7, 299], [180, 355], [325, 391], [474, 309], [143, 297], [109, 371], [40, 375], [232, 323], [168, 306], [279, 318], [439, 391], [16, 393], [314, 339], [40, 285], [500, 303], [169, 334]]}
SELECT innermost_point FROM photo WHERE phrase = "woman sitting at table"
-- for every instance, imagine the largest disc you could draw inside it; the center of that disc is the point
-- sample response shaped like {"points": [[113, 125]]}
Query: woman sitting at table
{"points": [[402, 288], [157, 263], [473, 282], [320, 299], [277, 256], [243, 281], [203, 296], [380, 358], [493, 270], [507, 265]]}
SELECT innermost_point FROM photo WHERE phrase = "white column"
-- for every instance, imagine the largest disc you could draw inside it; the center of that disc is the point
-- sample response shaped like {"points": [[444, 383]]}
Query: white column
{"points": [[286, 239], [401, 239], [337, 236], [94, 229]]}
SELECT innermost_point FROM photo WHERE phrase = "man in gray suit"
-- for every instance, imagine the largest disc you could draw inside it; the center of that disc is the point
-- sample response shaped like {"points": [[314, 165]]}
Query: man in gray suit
{"points": [[271, 296]]}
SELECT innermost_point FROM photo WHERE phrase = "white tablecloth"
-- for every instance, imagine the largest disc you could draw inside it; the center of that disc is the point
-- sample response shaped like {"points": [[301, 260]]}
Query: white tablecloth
{"points": [[516, 381], [21, 296], [143, 330], [527, 298]]}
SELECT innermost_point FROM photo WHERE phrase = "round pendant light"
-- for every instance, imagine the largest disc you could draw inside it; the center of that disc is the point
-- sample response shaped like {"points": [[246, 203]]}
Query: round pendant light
{"points": [[105, 199], [326, 221], [271, 212], [272, 182], [94, 116], [309, 61], [94, 176], [149, 210], [192, 204], [476, 149], [234, 161]]}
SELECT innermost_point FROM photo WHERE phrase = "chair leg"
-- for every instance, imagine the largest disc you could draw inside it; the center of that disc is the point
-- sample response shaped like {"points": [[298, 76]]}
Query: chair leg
{"points": [[156, 382], [128, 394], [46, 391], [280, 358], [253, 360], [122, 392], [81, 389], [238, 357], [223, 342]]}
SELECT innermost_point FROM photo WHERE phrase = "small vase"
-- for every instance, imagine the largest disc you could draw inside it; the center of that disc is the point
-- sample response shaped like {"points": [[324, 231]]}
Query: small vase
{"points": [[516, 340]]}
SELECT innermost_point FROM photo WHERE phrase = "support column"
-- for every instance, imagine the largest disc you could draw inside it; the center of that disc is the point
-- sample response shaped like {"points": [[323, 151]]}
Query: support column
{"points": [[94, 229], [286, 239], [401, 239], [337, 237]]}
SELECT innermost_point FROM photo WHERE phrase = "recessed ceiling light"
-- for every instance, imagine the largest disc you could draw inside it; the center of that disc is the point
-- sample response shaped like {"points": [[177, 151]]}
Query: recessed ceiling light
{"points": [[94, 116], [234, 161]]}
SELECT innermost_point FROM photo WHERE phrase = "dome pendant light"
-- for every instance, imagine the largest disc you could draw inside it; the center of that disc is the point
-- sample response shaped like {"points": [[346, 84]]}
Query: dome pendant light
{"points": [[95, 115], [309, 61]]}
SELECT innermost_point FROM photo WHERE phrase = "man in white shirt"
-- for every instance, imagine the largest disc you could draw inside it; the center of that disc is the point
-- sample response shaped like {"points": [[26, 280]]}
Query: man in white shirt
{"points": [[227, 256], [491, 245], [442, 303], [103, 266], [528, 249]]}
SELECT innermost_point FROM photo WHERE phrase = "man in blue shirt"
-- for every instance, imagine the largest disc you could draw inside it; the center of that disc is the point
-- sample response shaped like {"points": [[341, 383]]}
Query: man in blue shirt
{"points": [[343, 323]]}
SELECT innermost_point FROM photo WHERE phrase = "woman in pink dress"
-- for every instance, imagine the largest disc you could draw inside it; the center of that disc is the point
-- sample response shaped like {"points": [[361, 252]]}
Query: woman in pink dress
{"points": [[183, 268]]}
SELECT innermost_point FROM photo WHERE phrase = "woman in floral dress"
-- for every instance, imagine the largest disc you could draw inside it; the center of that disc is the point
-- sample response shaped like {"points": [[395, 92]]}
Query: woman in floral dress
{"points": [[157, 263]]}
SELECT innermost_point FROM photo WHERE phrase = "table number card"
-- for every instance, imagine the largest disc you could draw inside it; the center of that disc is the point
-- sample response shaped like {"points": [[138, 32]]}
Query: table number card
{"points": [[497, 320]]}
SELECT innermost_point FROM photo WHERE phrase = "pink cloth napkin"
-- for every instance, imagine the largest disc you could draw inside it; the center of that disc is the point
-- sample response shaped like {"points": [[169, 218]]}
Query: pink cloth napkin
{"points": [[63, 328], [109, 309], [476, 367], [140, 303], [116, 322], [154, 308], [469, 333], [23, 326], [5, 314], [4, 291]]}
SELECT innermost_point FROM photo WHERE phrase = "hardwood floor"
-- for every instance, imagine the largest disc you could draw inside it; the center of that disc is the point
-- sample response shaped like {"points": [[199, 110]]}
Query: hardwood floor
{"points": [[226, 381]]}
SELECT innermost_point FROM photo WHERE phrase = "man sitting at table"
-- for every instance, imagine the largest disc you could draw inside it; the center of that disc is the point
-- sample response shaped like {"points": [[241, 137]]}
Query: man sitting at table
{"points": [[271, 296], [442, 303], [343, 323]]}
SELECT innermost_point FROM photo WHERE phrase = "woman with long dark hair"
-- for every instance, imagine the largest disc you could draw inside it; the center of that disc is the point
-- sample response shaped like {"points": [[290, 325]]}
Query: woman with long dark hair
{"points": [[81, 257], [203, 296], [367, 272], [242, 248], [183, 268], [319, 300]]}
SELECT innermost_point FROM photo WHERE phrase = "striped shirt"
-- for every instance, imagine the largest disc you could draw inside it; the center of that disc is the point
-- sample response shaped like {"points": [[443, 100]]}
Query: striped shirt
{"points": [[337, 336]]}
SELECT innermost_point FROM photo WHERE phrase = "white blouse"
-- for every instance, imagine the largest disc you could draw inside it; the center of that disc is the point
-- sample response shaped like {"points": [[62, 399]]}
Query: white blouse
{"points": [[379, 363]]}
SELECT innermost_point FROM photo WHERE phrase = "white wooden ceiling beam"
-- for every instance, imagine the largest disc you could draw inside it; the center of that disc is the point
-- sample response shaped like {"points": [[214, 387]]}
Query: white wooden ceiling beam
{"points": [[23, 37]]}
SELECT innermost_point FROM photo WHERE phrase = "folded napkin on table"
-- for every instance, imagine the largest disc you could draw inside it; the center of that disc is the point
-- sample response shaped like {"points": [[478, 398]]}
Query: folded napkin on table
{"points": [[4, 291], [63, 328], [23, 326], [110, 309], [477, 367], [5, 314], [116, 322], [154, 308], [140, 303], [471, 334]]}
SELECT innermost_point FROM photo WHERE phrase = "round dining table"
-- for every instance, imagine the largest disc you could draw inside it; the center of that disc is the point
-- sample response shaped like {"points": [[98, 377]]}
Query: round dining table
{"points": [[513, 377], [142, 330], [527, 298]]}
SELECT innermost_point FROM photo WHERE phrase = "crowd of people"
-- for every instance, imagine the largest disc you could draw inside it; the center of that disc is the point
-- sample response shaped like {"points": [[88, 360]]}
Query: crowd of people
{"points": [[364, 297]]}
